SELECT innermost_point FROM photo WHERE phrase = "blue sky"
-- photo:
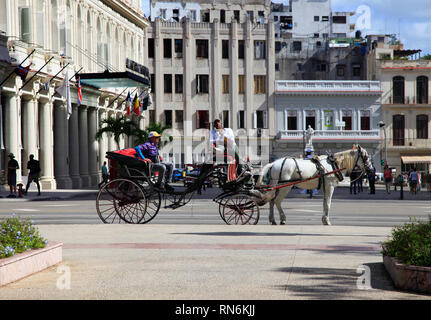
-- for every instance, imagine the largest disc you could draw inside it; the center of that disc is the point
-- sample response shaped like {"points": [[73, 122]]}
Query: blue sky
{"points": [[411, 19]]}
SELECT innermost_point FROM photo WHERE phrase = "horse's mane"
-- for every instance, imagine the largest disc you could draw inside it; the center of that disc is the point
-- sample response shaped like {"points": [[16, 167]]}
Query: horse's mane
{"points": [[346, 159]]}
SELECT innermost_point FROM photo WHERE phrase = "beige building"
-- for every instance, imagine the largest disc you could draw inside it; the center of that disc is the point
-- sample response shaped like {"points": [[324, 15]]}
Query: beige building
{"points": [[94, 35], [210, 61], [406, 113]]}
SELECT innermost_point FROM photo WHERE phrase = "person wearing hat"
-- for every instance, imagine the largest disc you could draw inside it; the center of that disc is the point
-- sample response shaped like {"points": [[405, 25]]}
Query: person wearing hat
{"points": [[149, 152], [12, 166]]}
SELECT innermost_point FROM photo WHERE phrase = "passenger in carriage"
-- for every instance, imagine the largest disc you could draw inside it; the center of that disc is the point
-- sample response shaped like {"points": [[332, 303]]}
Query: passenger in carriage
{"points": [[220, 136], [149, 152]]}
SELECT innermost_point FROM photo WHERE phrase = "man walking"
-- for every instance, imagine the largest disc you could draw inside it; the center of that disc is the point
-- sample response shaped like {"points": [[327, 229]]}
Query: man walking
{"points": [[105, 174], [12, 166], [372, 180], [34, 167]]}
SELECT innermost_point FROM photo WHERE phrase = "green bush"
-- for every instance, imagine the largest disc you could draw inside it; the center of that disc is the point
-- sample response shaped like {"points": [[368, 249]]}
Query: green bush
{"points": [[18, 235], [410, 244]]}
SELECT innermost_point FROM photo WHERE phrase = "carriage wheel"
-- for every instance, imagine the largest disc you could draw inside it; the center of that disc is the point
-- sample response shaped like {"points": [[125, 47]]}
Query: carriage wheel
{"points": [[106, 203], [222, 203], [154, 201], [240, 209], [126, 198]]}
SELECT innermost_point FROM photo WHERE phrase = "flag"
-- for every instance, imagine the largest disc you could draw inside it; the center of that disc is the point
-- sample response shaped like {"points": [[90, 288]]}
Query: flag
{"points": [[136, 105], [22, 72], [78, 85], [128, 103], [146, 102], [45, 86], [64, 91]]}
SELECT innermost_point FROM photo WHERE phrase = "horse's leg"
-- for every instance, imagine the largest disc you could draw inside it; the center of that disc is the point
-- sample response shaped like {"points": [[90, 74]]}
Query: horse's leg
{"points": [[329, 190], [278, 200], [271, 212]]}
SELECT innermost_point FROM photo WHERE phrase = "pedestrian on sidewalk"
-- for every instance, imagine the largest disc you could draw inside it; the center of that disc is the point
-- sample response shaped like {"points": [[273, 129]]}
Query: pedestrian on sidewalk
{"points": [[105, 174], [387, 175], [34, 166], [413, 179], [12, 166], [372, 180], [354, 175]]}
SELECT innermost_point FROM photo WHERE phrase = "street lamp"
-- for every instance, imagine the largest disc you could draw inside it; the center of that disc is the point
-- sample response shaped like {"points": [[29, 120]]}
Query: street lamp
{"points": [[382, 125]]}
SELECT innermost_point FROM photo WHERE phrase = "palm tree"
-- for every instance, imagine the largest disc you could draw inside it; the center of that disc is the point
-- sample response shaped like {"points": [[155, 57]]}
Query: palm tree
{"points": [[141, 136], [117, 127]]}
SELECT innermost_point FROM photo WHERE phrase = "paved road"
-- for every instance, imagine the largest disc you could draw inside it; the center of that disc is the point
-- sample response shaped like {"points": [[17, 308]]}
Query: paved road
{"points": [[346, 210]]}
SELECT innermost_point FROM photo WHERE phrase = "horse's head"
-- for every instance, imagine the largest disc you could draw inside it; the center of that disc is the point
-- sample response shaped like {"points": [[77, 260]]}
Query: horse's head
{"points": [[363, 160]]}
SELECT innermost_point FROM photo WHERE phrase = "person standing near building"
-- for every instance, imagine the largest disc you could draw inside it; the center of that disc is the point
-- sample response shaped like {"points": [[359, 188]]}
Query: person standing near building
{"points": [[372, 180], [12, 166], [354, 175], [387, 175], [413, 179], [105, 174], [34, 167]]}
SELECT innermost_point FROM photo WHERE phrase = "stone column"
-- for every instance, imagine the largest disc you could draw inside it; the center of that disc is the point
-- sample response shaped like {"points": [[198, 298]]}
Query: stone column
{"points": [[216, 77], [188, 60], [29, 119], [11, 130], [249, 78], [46, 156], [233, 55], [93, 147], [83, 146], [104, 141], [74, 148], [61, 147]]}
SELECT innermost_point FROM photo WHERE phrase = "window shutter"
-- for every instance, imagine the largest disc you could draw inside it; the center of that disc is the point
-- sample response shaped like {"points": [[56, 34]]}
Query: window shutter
{"points": [[254, 120], [197, 119], [25, 27], [265, 119]]}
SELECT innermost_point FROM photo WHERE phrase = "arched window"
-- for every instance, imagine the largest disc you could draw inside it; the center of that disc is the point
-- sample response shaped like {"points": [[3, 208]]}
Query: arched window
{"points": [[398, 89], [100, 46], [422, 126], [3, 17], [79, 38], [398, 125], [422, 90], [55, 36], [89, 41]]}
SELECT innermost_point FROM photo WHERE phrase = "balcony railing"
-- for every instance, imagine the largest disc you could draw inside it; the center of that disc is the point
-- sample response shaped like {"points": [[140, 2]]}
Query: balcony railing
{"points": [[407, 100], [331, 135], [413, 143], [286, 86]]}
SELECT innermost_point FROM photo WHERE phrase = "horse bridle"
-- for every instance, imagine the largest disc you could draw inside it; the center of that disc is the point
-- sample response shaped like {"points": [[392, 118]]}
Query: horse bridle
{"points": [[364, 161]]}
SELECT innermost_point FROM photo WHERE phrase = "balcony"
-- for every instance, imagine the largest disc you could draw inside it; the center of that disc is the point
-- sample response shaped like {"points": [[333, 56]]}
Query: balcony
{"points": [[407, 100], [328, 87], [408, 143], [331, 135]]}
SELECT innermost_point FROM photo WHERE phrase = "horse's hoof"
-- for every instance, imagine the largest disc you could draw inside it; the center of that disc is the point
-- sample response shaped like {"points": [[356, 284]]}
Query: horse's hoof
{"points": [[282, 223], [273, 223], [325, 221]]}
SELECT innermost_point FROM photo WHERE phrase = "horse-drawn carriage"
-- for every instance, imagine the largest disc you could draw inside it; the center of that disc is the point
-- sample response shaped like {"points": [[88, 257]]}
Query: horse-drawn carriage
{"points": [[132, 196]]}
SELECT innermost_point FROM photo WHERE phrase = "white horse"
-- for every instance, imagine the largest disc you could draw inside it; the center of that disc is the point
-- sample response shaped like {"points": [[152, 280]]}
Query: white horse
{"points": [[288, 169]]}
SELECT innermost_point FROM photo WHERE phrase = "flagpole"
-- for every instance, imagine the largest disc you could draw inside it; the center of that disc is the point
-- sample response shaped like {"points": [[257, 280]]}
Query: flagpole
{"points": [[116, 98], [56, 75], [130, 96], [35, 74], [17, 67], [76, 73]]}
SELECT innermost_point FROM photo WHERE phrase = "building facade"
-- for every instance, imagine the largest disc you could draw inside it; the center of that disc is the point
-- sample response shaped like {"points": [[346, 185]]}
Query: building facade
{"points": [[80, 35], [342, 113], [202, 71], [406, 113]]}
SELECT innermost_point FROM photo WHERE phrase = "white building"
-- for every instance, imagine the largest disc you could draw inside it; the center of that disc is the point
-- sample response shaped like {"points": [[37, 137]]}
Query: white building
{"points": [[342, 113], [94, 35], [202, 71]]}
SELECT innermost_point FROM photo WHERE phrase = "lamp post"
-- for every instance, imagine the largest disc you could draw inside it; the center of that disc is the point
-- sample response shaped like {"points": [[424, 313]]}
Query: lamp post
{"points": [[382, 125]]}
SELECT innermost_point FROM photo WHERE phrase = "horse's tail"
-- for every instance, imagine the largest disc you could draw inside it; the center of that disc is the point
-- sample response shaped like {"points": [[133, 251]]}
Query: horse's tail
{"points": [[263, 173]]}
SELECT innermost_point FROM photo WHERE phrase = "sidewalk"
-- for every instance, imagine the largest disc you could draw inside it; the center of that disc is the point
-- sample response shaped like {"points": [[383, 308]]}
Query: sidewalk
{"points": [[212, 262]]}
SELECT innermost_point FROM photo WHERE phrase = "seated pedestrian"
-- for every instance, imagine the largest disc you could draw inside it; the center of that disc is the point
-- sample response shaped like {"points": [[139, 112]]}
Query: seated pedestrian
{"points": [[34, 166], [12, 166]]}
